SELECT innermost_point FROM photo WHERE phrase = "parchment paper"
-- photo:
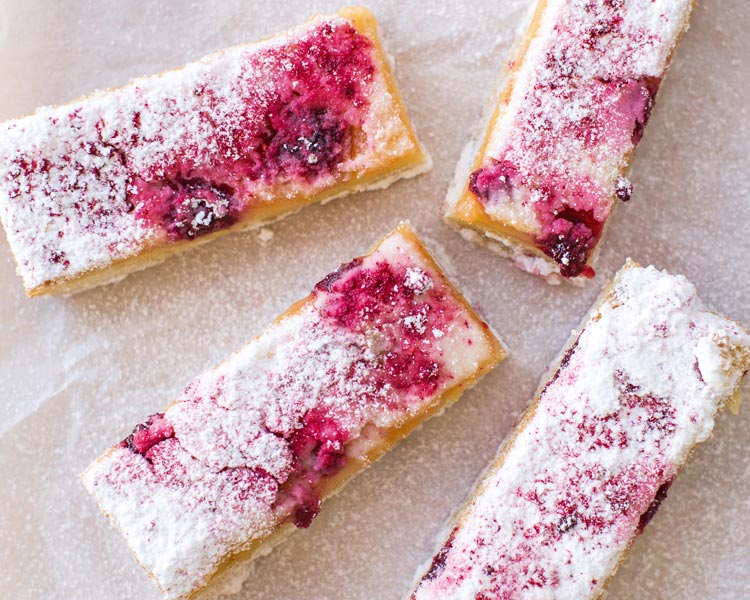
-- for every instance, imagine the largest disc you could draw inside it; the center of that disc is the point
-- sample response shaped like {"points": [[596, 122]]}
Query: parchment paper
{"points": [[76, 374]]}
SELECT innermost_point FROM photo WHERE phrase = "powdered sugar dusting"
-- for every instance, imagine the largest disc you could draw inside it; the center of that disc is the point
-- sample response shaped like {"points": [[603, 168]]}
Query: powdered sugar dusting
{"points": [[612, 427], [581, 97], [249, 445], [418, 280], [182, 154]]}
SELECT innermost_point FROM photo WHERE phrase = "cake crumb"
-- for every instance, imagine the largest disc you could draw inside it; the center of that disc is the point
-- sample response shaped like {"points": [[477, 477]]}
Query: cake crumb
{"points": [[265, 236]]}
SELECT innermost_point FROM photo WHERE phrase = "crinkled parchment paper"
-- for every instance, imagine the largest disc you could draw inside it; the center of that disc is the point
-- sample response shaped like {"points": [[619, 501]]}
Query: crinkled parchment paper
{"points": [[77, 373]]}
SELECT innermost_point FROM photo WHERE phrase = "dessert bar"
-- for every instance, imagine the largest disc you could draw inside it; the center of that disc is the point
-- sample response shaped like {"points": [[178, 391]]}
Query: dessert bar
{"points": [[121, 179], [578, 91], [593, 457], [250, 448]]}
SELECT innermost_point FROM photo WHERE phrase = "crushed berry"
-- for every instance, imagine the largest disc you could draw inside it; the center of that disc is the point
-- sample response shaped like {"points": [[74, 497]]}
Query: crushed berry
{"points": [[319, 444], [624, 189], [566, 523], [58, 257], [412, 370], [305, 502], [306, 512], [573, 235], [644, 104], [646, 517], [495, 181], [188, 208], [306, 122], [319, 448], [326, 284], [384, 297], [304, 144], [569, 234], [660, 414], [438, 562], [364, 295], [146, 435]]}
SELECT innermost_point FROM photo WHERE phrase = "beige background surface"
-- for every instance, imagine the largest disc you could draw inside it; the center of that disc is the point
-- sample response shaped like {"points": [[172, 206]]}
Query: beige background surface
{"points": [[77, 373]]}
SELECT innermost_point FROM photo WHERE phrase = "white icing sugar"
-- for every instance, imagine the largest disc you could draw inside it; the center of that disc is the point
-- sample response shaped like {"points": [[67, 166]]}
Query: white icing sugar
{"points": [[417, 322], [418, 280], [213, 488], [637, 390], [77, 213]]}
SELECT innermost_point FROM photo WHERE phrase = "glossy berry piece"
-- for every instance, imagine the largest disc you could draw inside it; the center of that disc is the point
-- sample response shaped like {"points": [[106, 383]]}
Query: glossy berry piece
{"points": [[319, 445], [653, 508], [438, 562], [648, 88], [189, 208], [574, 235], [624, 189], [146, 435], [494, 182]]}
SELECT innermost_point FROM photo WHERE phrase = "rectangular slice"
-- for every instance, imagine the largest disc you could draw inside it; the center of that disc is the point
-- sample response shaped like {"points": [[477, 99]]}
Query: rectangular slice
{"points": [[573, 104], [252, 446], [122, 179], [591, 460]]}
